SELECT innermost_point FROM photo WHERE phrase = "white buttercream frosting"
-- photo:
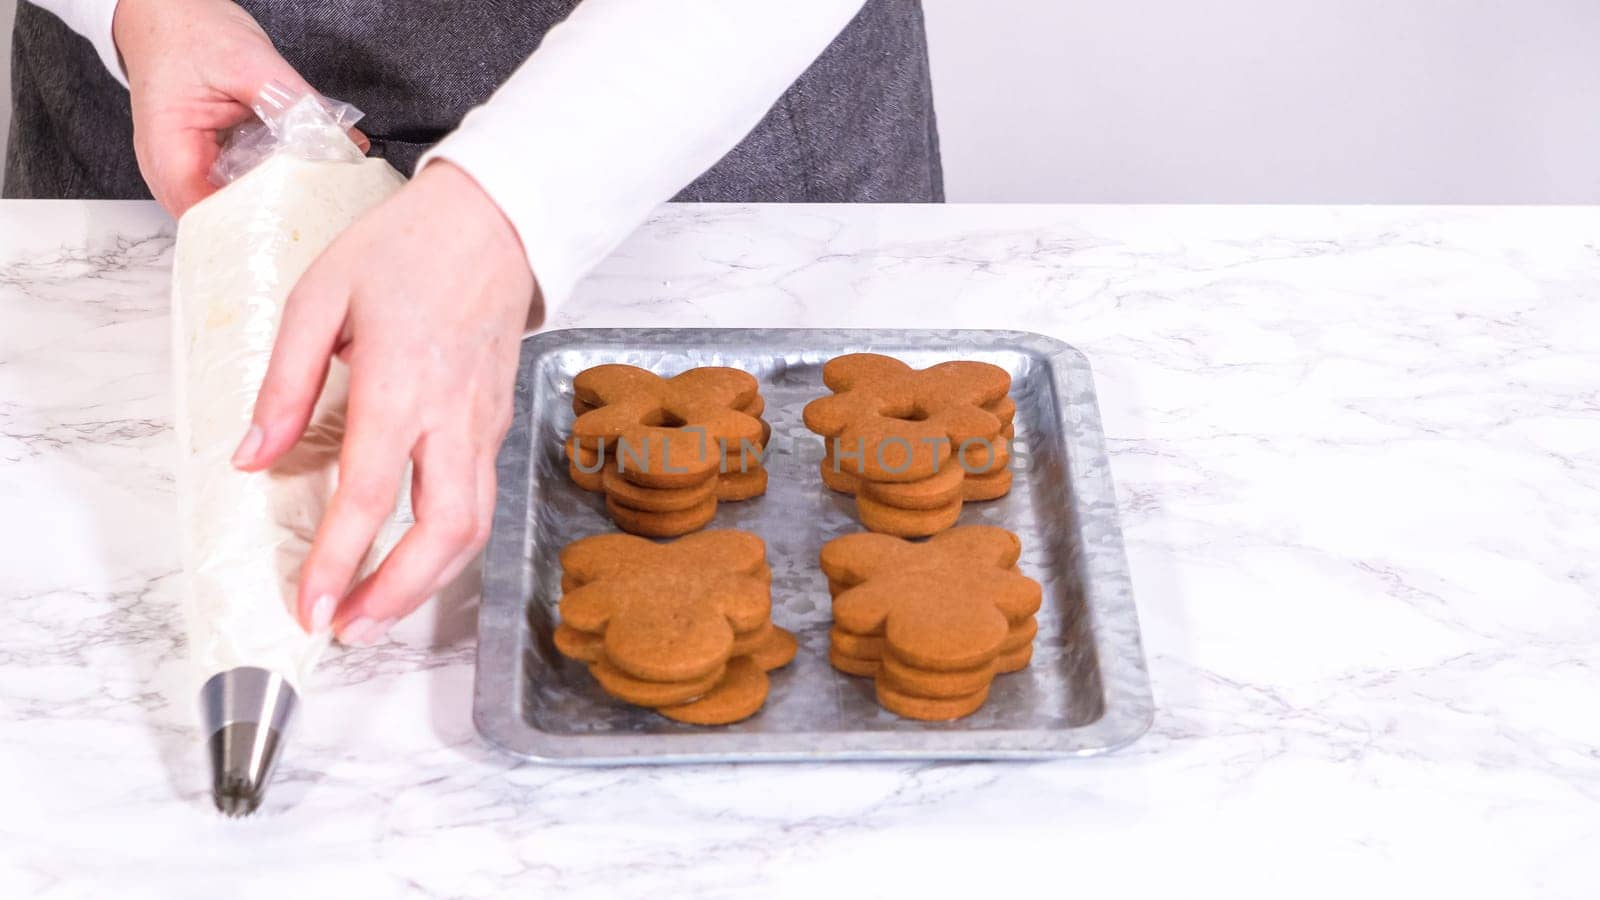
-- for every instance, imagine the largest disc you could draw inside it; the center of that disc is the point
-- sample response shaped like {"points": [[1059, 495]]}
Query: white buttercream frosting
{"points": [[246, 535]]}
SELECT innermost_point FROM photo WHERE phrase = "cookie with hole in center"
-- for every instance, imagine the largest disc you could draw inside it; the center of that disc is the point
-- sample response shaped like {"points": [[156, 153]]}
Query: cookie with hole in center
{"points": [[901, 438], [899, 422], [666, 432], [658, 447]]}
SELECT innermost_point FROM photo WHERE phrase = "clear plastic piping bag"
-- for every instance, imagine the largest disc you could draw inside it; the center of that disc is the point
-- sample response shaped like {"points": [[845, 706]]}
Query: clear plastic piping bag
{"points": [[292, 182]]}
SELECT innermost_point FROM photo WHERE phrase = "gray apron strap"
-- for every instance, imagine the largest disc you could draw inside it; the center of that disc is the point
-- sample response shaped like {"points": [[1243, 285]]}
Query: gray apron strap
{"points": [[857, 126]]}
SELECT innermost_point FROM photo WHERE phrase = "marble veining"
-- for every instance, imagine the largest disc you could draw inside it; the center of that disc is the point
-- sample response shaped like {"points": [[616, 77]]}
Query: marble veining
{"points": [[1357, 454]]}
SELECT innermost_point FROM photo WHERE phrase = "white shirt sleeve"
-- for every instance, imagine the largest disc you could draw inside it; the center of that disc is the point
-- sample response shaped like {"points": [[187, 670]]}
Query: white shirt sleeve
{"points": [[624, 104], [92, 19]]}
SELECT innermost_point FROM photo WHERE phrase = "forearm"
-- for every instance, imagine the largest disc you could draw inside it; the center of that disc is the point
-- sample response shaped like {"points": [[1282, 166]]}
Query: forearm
{"points": [[623, 105], [92, 19]]}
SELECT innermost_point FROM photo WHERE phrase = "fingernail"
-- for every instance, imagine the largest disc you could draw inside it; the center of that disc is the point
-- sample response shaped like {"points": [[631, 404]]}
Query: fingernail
{"points": [[364, 632], [249, 446], [322, 612]]}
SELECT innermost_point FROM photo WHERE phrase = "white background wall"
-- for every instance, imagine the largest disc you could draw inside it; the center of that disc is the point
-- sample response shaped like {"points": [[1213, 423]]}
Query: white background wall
{"points": [[1416, 101]]}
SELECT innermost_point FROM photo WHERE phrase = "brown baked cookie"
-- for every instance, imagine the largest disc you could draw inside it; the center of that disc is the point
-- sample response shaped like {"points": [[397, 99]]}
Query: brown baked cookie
{"points": [[777, 651], [992, 486], [978, 457], [933, 622], [676, 626], [858, 646], [870, 647], [641, 692], [732, 486], [904, 438], [915, 682], [906, 522], [667, 444], [662, 524], [580, 645], [667, 612], [1016, 660], [666, 432], [853, 558], [610, 555], [837, 479], [943, 489], [584, 466], [889, 422], [1020, 635], [739, 695], [928, 709], [589, 481], [851, 665], [588, 457], [645, 499], [1004, 409], [748, 642]]}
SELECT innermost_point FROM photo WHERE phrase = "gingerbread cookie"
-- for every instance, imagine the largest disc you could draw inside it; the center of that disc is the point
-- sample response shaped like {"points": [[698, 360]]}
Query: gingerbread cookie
{"points": [[682, 627], [906, 522], [662, 524], [666, 450], [932, 622], [904, 441], [928, 709], [738, 696], [908, 679]]}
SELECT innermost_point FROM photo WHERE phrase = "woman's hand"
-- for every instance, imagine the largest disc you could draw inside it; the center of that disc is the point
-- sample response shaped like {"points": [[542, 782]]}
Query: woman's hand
{"points": [[193, 67], [425, 297]]}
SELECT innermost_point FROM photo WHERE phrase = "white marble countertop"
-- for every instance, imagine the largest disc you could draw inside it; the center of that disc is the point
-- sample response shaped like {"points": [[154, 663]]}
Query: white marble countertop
{"points": [[1358, 459]]}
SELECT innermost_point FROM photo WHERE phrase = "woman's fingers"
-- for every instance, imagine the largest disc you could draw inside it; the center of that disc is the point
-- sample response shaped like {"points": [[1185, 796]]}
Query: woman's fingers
{"points": [[485, 519], [378, 439], [307, 336], [446, 502], [174, 162]]}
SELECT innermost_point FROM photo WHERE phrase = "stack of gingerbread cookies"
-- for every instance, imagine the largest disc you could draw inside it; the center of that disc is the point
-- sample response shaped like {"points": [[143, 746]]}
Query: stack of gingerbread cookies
{"points": [[913, 445], [933, 622], [665, 451], [684, 628]]}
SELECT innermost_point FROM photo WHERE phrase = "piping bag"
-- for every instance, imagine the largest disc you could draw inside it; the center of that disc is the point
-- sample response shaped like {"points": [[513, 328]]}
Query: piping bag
{"points": [[290, 183]]}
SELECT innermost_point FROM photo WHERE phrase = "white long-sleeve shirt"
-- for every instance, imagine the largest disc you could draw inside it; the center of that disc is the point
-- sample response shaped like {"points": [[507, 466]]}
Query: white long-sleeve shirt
{"points": [[622, 105]]}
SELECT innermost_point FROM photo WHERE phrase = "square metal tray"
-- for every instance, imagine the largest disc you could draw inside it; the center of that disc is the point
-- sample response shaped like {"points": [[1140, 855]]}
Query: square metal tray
{"points": [[1086, 691]]}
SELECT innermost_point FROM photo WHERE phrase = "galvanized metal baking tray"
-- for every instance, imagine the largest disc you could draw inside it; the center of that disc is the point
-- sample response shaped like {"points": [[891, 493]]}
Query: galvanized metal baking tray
{"points": [[1086, 692]]}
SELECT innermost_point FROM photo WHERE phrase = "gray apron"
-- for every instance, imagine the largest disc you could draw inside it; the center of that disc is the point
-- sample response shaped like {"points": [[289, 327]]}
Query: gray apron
{"points": [[858, 125]]}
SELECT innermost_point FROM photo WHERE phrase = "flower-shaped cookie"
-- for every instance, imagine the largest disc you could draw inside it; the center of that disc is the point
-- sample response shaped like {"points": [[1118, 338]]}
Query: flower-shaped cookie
{"points": [[932, 622], [682, 628], [946, 604], [666, 612], [665, 432], [899, 424]]}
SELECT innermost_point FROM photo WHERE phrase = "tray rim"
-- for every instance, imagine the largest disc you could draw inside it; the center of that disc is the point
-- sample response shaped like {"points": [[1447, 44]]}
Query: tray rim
{"points": [[1120, 656]]}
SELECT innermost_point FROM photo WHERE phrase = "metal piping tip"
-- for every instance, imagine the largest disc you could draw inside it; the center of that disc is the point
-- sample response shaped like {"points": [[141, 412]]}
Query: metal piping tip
{"points": [[246, 712]]}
